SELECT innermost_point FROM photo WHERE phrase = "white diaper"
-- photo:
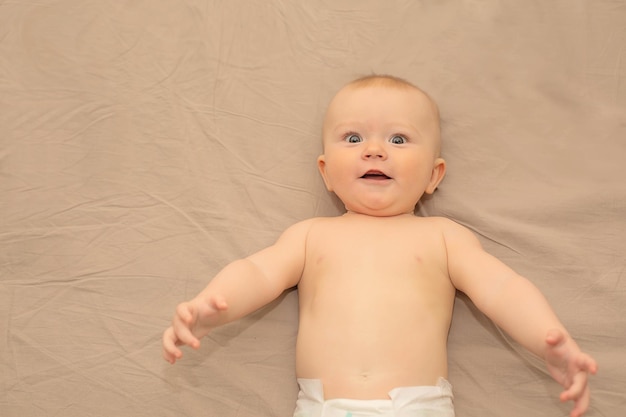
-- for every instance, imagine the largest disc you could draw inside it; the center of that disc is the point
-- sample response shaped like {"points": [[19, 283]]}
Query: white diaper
{"points": [[422, 401]]}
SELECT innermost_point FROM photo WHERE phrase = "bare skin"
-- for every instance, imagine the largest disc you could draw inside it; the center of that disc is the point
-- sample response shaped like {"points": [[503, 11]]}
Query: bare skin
{"points": [[390, 310], [376, 286]]}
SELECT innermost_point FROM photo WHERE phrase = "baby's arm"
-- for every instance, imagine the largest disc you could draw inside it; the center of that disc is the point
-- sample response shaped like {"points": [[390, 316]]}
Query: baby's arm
{"points": [[519, 308], [242, 287]]}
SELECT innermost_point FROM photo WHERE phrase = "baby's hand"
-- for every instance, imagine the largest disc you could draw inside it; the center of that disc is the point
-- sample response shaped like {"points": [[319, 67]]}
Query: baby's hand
{"points": [[571, 368], [192, 321]]}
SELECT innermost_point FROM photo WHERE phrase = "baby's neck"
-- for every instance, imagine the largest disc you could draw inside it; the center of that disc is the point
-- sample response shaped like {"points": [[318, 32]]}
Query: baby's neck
{"points": [[350, 213]]}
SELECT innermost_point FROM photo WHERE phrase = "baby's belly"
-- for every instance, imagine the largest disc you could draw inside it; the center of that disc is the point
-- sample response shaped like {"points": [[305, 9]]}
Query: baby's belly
{"points": [[367, 353]]}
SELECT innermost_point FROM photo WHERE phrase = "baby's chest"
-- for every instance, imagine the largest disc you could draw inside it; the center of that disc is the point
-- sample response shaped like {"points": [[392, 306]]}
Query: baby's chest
{"points": [[374, 279], [380, 261], [375, 249]]}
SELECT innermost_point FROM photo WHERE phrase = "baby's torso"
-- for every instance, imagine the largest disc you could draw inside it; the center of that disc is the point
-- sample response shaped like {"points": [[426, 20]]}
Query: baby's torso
{"points": [[375, 305]]}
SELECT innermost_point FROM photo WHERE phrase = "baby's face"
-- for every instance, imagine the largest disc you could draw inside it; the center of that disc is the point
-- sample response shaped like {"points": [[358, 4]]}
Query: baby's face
{"points": [[381, 148]]}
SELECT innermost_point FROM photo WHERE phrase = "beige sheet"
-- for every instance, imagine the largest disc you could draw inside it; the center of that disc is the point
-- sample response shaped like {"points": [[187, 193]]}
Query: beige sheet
{"points": [[145, 144]]}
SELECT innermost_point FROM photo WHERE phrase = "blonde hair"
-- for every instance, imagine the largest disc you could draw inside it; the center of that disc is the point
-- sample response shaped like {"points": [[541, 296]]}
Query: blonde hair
{"points": [[391, 81], [383, 80]]}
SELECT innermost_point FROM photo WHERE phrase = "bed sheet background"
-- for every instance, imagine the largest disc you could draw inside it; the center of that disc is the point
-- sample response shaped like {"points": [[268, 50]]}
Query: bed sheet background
{"points": [[146, 144]]}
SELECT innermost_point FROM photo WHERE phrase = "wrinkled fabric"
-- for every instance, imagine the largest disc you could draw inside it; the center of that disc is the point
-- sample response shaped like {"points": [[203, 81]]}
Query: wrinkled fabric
{"points": [[146, 144]]}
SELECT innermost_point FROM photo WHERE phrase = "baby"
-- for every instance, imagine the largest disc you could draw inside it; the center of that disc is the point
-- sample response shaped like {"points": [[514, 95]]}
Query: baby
{"points": [[377, 285]]}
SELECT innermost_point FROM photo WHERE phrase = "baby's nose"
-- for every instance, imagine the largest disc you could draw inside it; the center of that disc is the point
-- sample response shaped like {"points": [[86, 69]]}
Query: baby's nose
{"points": [[374, 150]]}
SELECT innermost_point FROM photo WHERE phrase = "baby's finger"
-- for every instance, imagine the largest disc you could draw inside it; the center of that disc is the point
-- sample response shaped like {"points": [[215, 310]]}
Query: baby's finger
{"points": [[577, 388], [170, 357], [587, 363], [182, 324], [579, 393], [170, 351], [185, 337], [184, 313], [581, 404]]}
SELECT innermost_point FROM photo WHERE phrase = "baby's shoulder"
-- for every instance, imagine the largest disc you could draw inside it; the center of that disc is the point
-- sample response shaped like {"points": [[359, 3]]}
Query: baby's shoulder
{"points": [[303, 228], [454, 232], [300, 228]]}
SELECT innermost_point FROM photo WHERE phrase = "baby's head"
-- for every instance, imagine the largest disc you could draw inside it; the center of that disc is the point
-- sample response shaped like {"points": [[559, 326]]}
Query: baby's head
{"points": [[381, 140]]}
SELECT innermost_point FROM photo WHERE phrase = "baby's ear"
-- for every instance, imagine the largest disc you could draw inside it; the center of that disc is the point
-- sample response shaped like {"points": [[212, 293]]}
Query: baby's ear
{"points": [[438, 172], [321, 165]]}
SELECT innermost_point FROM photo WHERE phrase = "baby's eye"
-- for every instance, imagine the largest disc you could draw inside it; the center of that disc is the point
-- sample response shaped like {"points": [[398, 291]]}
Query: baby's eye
{"points": [[397, 139], [353, 138]]}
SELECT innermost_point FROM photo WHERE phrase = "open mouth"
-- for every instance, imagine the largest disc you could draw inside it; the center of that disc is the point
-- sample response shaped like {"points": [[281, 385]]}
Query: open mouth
{"points": [[374, 174]]}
